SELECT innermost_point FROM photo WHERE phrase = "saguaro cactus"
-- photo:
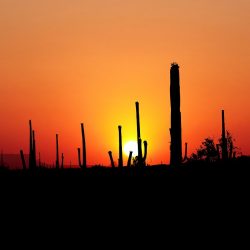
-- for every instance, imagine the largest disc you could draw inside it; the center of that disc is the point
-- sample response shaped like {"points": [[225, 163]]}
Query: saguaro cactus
{"points": [[224, 139], [175, 131], [138, 134], [79, 157], [31, 146], [129, 159], [84, 159], [23, 160], [111, 159], [57, 152], [34, 150], [145, 152], [120, 147], [62, 163]]}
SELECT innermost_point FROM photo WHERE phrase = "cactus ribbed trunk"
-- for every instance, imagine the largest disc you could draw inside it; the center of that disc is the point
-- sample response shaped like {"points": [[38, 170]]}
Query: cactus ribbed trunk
{"points": [[23, 160], [84, 159], [120, 147], [57, 152], [129, 159], [175, 131], [111, 159], [224, 139], [138, 134]]}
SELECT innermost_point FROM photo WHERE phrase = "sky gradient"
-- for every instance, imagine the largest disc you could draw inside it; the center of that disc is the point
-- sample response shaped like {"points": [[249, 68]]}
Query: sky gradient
{"points": [[66, 62]]}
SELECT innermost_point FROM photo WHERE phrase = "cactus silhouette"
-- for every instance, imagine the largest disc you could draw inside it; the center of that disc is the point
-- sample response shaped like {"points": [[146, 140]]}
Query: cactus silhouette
{"points": [[84, 160], [31, 146], [175, 131], [34, 150], [224, 139], [111, 159], [79, 157], [138, 134], [23, 160], [62, 163], [57, 152], [145, 152], [129, 159], [120, 147]]}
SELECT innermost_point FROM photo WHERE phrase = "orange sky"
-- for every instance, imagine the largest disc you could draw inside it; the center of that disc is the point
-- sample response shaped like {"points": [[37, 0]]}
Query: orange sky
{"points": [[65, 62]]}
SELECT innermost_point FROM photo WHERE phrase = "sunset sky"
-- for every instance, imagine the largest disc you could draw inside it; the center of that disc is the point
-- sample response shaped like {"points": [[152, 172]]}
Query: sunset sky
{"points": [[63, 62]]}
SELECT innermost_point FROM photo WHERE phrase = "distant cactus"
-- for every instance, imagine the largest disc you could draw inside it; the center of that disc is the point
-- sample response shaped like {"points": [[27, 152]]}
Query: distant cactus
{"points": [[129, 159], [62, 163], [23, 160], [82, 165], [34, 150], [79, 157], [31, 146], [111, 159], [224, 139], [57, 152], [120, 147], [138, 134], [84, 157]]}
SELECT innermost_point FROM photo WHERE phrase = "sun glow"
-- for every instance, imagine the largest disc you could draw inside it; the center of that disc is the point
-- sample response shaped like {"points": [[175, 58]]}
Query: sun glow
{"points": [[131, 146]]}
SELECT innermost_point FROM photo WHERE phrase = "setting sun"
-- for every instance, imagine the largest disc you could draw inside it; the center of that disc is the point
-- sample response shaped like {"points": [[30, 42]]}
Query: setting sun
{"points": [[131, 146]]}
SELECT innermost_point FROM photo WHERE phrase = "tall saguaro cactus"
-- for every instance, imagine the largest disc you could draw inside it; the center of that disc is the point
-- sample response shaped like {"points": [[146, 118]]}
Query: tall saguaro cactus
{"points": [[175, 131], [34, 150], [138, 134], [224, 139], [120, 147], [31, 146], [84, 159], [57, 152]]}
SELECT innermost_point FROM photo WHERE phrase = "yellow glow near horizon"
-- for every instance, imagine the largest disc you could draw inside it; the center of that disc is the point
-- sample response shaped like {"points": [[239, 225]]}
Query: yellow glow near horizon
{"points": [[131, 146]]}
